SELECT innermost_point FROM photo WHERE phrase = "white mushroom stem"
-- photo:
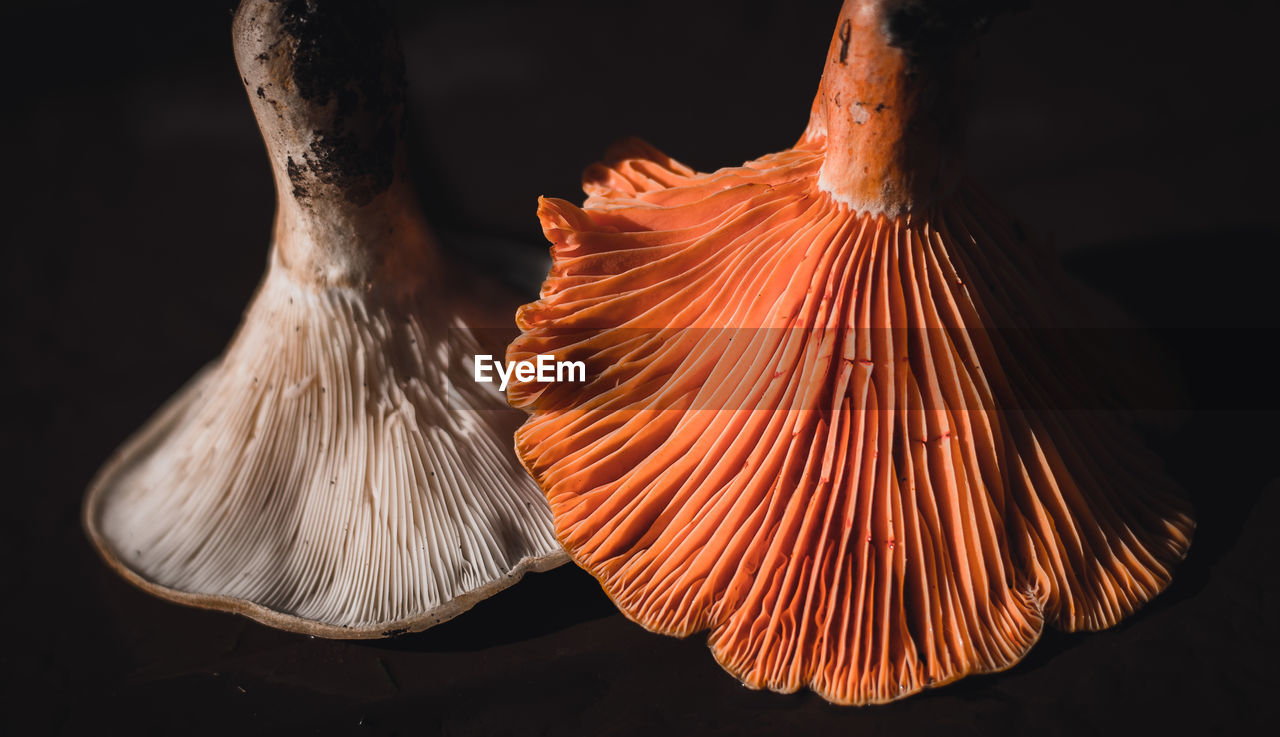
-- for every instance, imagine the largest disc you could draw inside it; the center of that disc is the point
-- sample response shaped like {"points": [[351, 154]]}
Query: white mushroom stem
{"points": [[327, 89], [338, 471]]}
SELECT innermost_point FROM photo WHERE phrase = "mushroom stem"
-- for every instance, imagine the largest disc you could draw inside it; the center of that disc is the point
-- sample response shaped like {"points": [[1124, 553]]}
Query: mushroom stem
{"points": [[891, 108], [326, 81]]}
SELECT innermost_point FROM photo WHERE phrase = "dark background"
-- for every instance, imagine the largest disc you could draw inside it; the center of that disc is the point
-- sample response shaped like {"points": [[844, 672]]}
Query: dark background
{"points": [[137, 208]]}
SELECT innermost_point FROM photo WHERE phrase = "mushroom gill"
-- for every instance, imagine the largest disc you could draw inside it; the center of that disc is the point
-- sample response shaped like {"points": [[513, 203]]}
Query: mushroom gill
{"points": [[337, 471], [833, 411]]}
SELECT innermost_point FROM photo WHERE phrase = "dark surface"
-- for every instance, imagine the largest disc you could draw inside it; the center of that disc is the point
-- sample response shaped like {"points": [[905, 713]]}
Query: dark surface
{"points": [[137, 211]]}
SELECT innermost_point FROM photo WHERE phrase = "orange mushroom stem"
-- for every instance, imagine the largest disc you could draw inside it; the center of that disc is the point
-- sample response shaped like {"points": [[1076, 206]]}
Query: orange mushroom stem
{"points": [[831, 414], [893, 120]]}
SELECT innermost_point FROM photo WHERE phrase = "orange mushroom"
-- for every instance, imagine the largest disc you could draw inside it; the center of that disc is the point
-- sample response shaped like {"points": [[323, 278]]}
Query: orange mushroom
{"points": [[828, 411]]}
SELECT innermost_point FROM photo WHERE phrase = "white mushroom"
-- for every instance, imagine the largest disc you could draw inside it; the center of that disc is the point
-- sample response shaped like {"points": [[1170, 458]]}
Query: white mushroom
{"points": [[338, 471]]}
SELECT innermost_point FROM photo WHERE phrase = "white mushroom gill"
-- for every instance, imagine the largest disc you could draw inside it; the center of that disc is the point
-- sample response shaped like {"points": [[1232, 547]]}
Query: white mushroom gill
{"points": [[321, 470], [338, 471]]}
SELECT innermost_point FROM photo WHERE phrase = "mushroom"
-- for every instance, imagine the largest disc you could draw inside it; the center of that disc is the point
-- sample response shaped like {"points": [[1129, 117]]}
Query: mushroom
{"points": [[832, 407], [337, 471]]}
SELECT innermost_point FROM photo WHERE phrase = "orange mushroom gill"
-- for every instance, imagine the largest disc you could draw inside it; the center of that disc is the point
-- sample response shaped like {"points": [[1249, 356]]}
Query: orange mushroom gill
{"points": [[829, 414]]}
